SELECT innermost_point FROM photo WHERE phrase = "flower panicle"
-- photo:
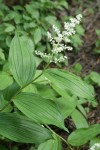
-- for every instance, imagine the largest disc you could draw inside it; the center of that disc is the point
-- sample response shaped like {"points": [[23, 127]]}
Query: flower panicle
{"points": [[59, 39], [41, 54]]}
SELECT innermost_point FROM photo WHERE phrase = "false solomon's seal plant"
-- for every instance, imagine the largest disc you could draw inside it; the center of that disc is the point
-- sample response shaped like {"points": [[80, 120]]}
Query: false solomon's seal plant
{"points": [[32, 99]]}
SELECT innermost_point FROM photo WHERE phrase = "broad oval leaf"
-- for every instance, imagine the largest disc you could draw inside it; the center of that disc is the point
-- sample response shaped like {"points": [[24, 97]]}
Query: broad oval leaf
{"points": [[40, 110], [31, 88], [2, 56], [22, 63], [52, 144], [79, 119], [69, 82], [22, 129], [48, 145], [37, 35], [9, 28], [65, 105], [82, 136], [3, 103], [10, 91], [5, 80]]}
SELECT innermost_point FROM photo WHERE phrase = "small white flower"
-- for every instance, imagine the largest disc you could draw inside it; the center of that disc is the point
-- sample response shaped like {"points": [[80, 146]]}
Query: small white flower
{"points": [[69, 48], [43, 55], [59, 39], [79, 17], [56, 29], [73, 20], [49, 36]]}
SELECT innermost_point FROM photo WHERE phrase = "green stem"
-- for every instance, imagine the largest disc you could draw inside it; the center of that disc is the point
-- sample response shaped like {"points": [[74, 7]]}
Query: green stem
{"points": [[23, 88], [19, 92], [38, 76], [59, 137], [4, 107]]}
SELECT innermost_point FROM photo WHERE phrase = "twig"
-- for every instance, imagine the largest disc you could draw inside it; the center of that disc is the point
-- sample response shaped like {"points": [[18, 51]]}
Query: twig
{"points": [[90, 25], [59, 137]]}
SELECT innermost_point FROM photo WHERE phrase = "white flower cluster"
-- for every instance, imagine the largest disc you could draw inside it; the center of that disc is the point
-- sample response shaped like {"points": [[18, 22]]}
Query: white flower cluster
{"points": [[60, 59], [96, 146], [59, 39], [69, 27], [44, 55]]}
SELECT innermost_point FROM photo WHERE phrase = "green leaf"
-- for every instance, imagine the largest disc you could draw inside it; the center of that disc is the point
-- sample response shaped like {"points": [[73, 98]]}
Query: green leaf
{"points": [[27, 17], [79, 30], [2, 28], [77, 67], [21, 59], [32, 25], [31, 88], [95, 77], [51, 19], [37, 35], [3, 103], [48, 145], [29, 9], [64, 4], [69, 82], [32, 11], [9, 16], [79, 119], [76, 40], [98, 32], [46, 91], [10, 28], [82, 136], [22, 129], [6, 67], [38, 61], [66, 106], [81, 108], [8, 40], [39, 109], [53, 144], [35, 14], [10, 91], [5, 80], [2, 56], [41, 78]]}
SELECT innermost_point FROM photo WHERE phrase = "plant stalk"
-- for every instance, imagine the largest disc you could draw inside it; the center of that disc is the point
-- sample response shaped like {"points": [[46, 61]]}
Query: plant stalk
{"points": [[60, 137]]}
